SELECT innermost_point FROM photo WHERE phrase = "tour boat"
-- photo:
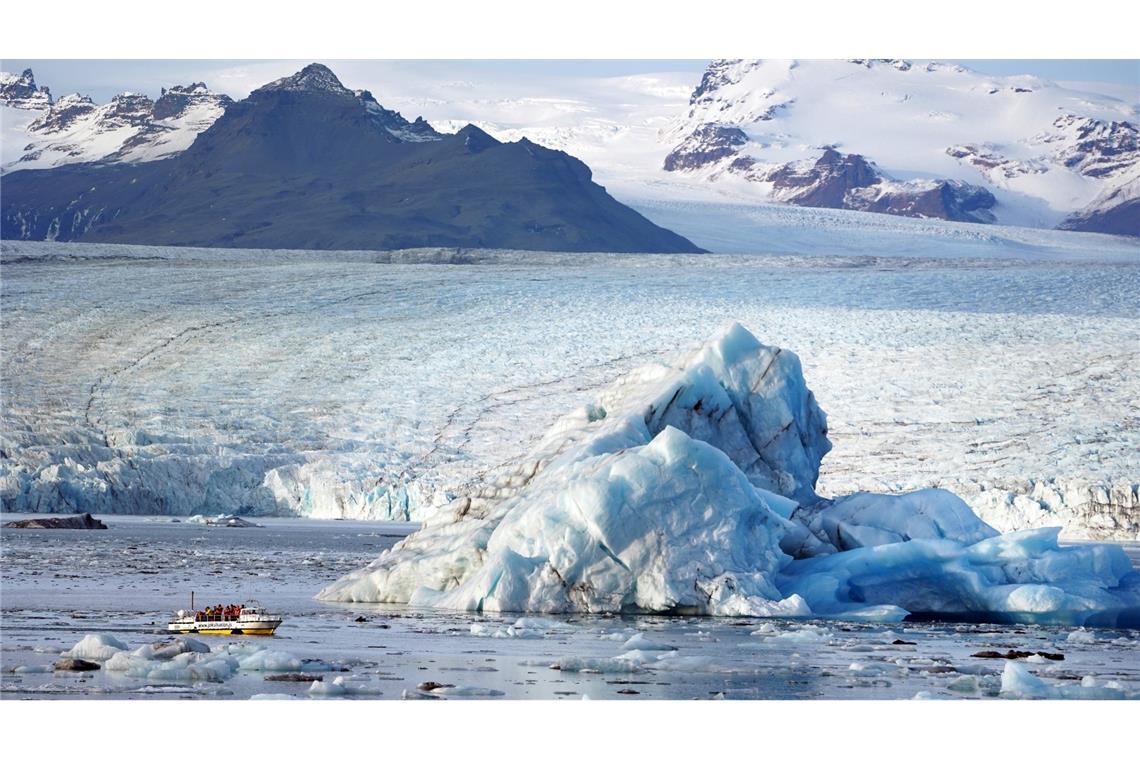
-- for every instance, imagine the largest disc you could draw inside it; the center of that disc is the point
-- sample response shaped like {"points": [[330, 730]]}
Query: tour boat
{"points": [[249, 619]]}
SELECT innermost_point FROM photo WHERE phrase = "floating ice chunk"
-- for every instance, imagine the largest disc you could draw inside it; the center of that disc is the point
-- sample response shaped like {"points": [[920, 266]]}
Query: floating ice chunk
{"points": [[807, 635], [688, 488], [866, 519], [1016, 577], [168, 649], [1081, 636], [19, 669], [684, 664], [523, 628], [652, 505], [96, 646], [631, 530], [645, 644], [638, 657], [544, 624], [336, 688], [269, 660], [1018, 682], [596, 665], [467, 691], [965, 684]]}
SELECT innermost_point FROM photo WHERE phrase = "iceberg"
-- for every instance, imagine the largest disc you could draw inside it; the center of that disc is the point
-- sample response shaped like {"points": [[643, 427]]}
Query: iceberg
{"points": [[688, 487]]}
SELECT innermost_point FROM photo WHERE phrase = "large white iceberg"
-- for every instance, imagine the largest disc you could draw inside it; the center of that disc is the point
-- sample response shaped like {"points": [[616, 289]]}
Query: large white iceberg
{"points": [[689, 488]]}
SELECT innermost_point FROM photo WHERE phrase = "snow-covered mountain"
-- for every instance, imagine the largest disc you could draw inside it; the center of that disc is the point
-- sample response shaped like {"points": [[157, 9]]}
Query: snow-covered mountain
{"points": [[306, 162], [22, 92], [909, 138], [40, 132], [918, 138], [914, 138]]}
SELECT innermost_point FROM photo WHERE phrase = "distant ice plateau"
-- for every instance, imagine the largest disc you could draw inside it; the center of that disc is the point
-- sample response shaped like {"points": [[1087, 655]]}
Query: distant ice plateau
{"points": [[385, 385]]}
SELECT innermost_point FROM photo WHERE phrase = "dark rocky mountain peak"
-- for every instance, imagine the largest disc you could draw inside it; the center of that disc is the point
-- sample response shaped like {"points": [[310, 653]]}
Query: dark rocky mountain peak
{"points": [[126, 109], [306, 163], [21, 91], [1094, 147], [706, 145], [396, 125], [315, 77], [174, 101], [63, 114], [476, 140], [719, 73]]}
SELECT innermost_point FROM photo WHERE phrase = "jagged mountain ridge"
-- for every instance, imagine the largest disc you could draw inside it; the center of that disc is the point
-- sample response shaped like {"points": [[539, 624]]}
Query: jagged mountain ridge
{"points": [[1031, 143], [130, 128], [940, 137], [304, 162], [21, 91]]}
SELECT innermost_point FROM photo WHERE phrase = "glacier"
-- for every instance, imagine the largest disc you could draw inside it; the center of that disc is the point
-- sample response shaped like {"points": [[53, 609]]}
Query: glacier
{"points": [[341, 385], [689, 488]]}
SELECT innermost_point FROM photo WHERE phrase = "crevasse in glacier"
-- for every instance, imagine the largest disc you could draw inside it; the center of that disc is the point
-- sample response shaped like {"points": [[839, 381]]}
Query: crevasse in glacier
{"points": [[689, 488]]}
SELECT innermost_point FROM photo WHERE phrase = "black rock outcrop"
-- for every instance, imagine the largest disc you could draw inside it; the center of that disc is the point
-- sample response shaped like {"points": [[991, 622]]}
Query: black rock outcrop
{"points": [[76, 522]]}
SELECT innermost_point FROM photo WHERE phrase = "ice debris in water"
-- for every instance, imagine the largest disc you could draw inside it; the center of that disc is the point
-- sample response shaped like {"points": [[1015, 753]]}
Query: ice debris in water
{"points": [[523, 628], [1018, 682], [688, 487], [644, 643], [187, 659]]}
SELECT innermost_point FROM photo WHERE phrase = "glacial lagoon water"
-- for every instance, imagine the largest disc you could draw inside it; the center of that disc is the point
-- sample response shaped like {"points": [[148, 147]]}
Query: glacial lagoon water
{"points": [[56, 586]]}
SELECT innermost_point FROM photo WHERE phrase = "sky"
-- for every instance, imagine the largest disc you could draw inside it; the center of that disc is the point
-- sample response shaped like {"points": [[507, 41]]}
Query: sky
{"points": [[102, 79]]}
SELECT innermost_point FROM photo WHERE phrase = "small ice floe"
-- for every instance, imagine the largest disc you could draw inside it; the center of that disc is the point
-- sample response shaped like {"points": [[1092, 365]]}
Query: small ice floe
{"points": [[21, 669], [467, 691], [414, 694], [185, 659], [166, 650], [805, 635], [1019, 683], [221, 521], [964, 684], [322, 689], [673, 662], [95, 646], [930, 695], [595, 665], [871, 669], [523, 628], [1081, 636], [645, 644]]}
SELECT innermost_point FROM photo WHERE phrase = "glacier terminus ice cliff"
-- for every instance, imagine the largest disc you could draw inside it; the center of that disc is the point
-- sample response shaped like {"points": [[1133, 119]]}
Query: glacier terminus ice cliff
{"points": [[688, 488]]}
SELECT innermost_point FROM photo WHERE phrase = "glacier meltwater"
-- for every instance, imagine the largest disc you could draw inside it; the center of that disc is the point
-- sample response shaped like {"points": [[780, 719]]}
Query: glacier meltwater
{"points": [[688, 488]]}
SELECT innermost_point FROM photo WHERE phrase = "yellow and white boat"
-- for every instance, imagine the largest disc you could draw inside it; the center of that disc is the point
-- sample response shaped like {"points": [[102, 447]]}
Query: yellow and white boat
{"points": [[250, 619]]}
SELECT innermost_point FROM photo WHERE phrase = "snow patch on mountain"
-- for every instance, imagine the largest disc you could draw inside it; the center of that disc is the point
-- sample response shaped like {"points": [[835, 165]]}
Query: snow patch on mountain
{"points": [[1042, 150], [21, 91], [130, 128]]}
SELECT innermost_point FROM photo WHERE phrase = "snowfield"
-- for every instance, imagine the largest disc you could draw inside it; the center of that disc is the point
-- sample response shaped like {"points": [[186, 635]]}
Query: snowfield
{"points": [[382, 385]]}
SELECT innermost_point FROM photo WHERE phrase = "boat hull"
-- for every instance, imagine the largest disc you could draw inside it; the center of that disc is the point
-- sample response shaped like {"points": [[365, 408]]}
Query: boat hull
{"points": [[235, 628]]}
